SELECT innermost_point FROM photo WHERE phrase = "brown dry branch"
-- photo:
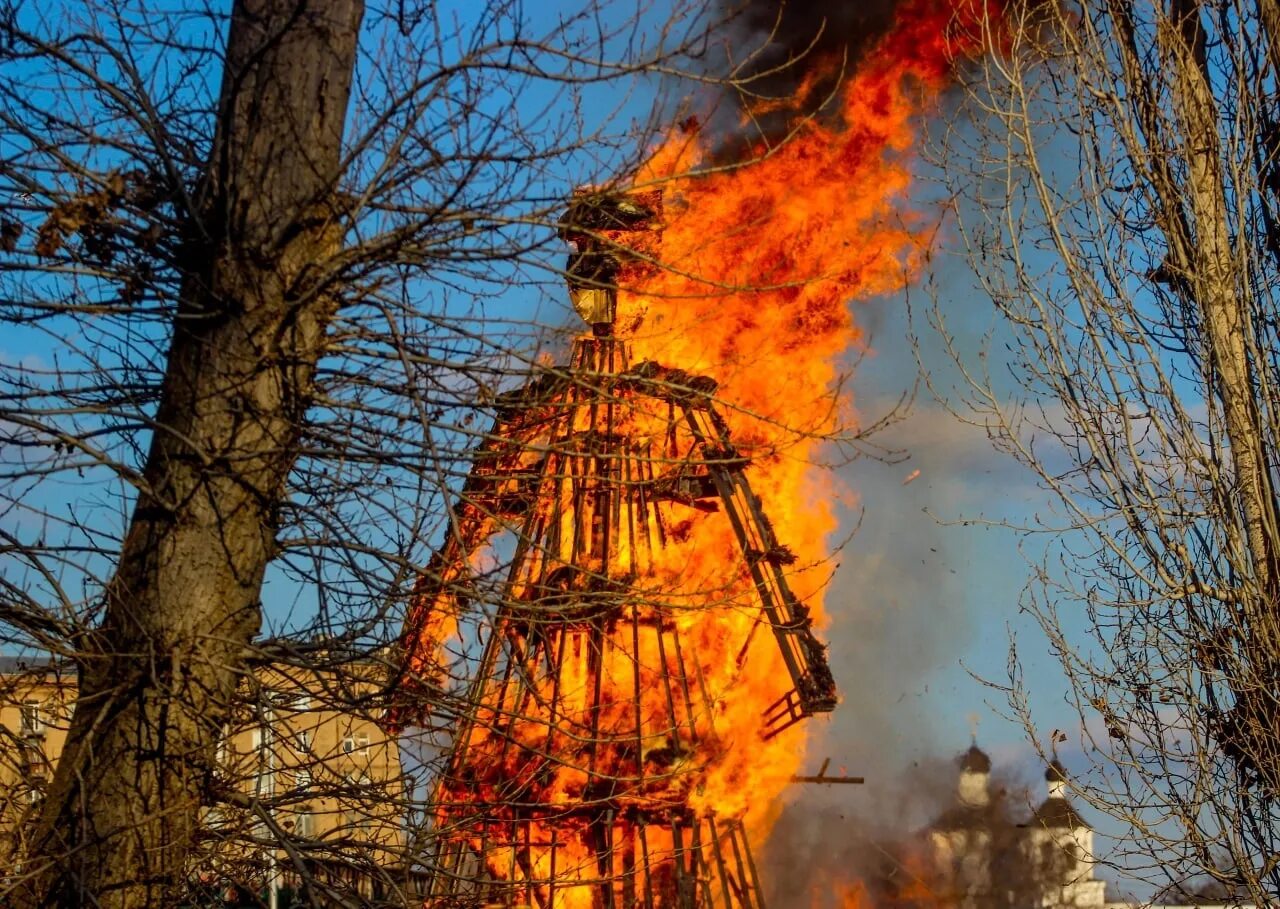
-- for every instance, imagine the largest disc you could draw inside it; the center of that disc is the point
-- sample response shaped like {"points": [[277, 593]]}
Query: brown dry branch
{"points": [[1116, 175]]}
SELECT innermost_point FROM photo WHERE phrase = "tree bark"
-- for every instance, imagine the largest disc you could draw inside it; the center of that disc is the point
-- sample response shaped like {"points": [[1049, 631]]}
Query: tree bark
{"points": [[161, 669], [1227, 323]]}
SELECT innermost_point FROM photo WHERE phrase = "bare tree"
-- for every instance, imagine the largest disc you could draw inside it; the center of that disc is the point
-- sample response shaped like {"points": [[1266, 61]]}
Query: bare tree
{"points": [[243, 264], [1118, 197]]}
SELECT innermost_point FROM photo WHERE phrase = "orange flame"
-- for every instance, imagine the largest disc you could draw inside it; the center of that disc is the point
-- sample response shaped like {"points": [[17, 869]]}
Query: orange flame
{"points": [[761, 263]]}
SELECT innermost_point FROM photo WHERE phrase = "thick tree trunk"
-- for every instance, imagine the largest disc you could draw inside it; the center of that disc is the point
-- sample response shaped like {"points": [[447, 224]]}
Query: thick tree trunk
{"points": [[1245, 730], [1221, 296], [158, 674]]}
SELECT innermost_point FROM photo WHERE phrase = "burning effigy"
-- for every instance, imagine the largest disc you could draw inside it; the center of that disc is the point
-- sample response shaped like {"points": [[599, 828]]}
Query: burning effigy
{"points": [[649, 647], [593, 765]]}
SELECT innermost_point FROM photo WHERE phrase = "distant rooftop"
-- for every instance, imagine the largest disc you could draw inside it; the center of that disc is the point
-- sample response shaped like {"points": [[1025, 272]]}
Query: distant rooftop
{"points": [[12, 665], [1058, 812], [975, 760]]}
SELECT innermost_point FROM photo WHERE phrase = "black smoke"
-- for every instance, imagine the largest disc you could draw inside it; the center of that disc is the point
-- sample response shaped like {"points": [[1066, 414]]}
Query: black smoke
{"points": [[793, 36]]}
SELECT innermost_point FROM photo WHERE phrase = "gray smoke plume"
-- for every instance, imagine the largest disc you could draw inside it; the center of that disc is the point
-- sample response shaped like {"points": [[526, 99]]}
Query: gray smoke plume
{"points": [[824, 850]]}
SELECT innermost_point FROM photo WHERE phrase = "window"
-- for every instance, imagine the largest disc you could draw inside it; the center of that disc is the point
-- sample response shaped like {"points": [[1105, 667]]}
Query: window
{"points": [[33, 762], [221, 758], [303, 741], [288, 701], [31, 719], [305, 825], [301, 780], [356, 744], [357, 786], [357, 818], [349, 745]]}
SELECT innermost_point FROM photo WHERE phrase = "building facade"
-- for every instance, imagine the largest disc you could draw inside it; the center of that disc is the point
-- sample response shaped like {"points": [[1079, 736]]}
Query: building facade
{"points": [[308, 792], [988, 856]]}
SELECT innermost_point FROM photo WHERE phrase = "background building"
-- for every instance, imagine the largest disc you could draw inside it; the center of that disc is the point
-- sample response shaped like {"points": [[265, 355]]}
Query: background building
{"points": [[307, 791], [35, 702], [986, 854]]}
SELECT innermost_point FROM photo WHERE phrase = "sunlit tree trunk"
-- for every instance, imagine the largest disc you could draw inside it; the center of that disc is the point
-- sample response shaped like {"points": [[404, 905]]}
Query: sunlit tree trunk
{"points": [[159, 672], [1209, 261]]}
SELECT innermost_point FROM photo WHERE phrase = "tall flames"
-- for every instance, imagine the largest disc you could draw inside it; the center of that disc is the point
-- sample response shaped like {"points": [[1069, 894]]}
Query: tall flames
{"points": [[762, 261]]}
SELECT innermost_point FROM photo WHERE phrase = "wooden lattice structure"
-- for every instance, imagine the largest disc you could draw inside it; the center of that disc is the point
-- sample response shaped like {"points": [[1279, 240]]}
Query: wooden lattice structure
{"points": [[574, 772]]}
